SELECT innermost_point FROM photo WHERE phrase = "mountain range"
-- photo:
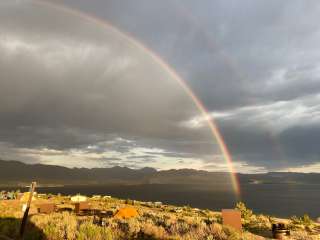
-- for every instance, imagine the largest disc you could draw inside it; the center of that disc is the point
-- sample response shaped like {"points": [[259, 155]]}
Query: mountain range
{"points": [[18, 173]]}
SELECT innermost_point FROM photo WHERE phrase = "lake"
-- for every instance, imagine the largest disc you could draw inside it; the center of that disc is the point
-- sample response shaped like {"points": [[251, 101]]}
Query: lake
{"points": [[281, 200]]}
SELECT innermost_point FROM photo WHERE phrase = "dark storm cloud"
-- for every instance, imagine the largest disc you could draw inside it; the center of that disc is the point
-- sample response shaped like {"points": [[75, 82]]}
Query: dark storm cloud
{"points": [[81, 88], [238, 54], [224, 48], [295, 146], [253, 63]]}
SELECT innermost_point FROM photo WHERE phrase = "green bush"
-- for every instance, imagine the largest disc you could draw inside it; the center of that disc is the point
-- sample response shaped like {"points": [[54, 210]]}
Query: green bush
{"points": [[246, 213], [302, 223], [304, 220]]}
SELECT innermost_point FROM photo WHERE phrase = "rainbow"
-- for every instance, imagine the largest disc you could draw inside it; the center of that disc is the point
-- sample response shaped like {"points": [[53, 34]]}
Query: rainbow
{"points": [[211, 123]]}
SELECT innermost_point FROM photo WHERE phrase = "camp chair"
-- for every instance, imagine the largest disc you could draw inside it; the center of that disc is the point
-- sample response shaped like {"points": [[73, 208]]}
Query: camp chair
{"points": [[232, 218]]}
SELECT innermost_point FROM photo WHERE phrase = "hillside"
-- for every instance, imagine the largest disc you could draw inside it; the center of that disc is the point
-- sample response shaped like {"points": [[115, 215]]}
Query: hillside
{"points": [[117, 219]]}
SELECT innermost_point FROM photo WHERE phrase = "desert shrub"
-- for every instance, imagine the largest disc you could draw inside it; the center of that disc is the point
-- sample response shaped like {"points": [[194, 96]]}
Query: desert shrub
{"points": [[245, 212], [57, 226], [150, 231], [125, 228], [89, 231], [169, 221], [163, 223], [216, 232], [260, 225], [231, 233], [182, 227], [129, 202], [197, 231], [214, 219], [302, 223], [219, 232], [301, 235], [194, 222], [259, 222], [203, 213], [304, 220], [187, 208], [133, 228], [252, 222]]}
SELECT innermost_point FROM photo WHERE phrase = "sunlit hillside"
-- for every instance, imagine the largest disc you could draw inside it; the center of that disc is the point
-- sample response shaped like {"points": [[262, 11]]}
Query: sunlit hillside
{"points": [[129, 219]]}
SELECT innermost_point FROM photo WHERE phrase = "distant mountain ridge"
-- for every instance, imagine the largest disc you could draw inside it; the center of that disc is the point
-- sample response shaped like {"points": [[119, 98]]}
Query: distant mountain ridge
{"points": [[14, 171], [17, 173]]}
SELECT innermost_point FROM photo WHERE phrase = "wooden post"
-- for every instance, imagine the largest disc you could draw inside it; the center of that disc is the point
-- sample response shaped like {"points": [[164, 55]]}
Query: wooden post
{"points": [[25, 215]]}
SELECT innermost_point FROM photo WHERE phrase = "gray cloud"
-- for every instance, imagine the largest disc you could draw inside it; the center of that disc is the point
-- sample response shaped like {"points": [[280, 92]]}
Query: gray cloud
{"points": [[275, 135], [66, 83], [81, 87], [223, 48], [257, 60], [142, 157]]}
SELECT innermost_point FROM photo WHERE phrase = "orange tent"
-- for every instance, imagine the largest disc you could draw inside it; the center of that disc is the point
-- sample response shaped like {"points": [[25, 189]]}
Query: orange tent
{"points": [[127, 212]]}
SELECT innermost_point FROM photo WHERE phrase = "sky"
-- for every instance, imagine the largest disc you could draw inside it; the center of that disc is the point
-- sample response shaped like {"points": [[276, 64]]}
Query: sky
{"points": [[80, 92]]}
